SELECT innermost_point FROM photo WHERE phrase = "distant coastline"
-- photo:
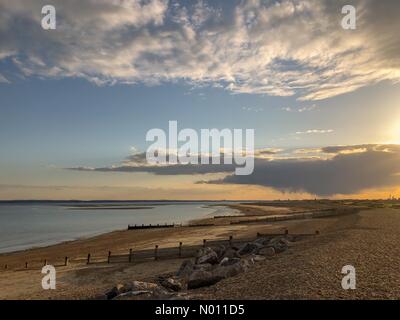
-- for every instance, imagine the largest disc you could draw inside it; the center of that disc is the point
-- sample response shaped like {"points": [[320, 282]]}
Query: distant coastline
{"points": [[114, 201]]}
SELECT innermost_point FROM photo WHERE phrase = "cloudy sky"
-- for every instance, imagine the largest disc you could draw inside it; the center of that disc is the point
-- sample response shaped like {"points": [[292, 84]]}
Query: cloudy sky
{"points": [[76, 102]]}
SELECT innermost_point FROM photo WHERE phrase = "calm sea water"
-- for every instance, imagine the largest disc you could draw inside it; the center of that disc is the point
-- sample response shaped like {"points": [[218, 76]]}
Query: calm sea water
{"points": [[24, 226]]}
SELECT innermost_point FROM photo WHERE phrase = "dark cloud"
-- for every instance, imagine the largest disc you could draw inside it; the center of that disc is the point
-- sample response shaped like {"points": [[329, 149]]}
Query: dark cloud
{"points": [[178, 169], [350, 170], [343, 174], [268, 151], [138, 163]]}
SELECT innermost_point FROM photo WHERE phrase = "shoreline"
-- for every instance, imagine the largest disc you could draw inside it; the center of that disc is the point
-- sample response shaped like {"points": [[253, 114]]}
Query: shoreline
{"points": [[220, 225], [252, 210], [62, 242], [87, 235]]}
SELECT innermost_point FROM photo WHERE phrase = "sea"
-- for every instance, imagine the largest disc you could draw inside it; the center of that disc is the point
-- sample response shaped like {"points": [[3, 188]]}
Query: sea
{"points": [[25, 225]]}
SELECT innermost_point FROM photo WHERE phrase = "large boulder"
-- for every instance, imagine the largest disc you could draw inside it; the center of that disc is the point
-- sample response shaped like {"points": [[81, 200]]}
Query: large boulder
{"points": [[263, 241], [258, 258], [230, 253], [250, 247], [228, 271], [203, 267], [201, 278], [206, 255], [231, 270], [228, 261], [142, 286], [247, 263], [185, 269], [267, 252], [220, 251], [146, 290], [172, 283], [279, 244], [135, 295], [115, 291]]}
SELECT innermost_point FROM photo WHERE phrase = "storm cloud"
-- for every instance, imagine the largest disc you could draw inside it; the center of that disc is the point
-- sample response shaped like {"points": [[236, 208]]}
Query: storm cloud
{"points": [[342, 174], [350, 169]]}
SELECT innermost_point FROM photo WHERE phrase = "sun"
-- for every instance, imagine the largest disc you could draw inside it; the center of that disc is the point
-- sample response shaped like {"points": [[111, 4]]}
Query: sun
{"points": [[394, 133]]}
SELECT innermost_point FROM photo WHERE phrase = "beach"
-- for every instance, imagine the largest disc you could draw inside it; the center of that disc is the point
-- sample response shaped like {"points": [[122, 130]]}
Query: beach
{"points": [[311, 268]]}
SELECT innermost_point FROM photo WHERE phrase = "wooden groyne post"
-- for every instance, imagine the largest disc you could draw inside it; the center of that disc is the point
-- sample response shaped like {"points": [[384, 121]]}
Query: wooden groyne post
{"points": [[204, 243], [130, 255], [109, 257], [66, 261], [230, 241], [88, 259], [156, 252], [180, 249]]}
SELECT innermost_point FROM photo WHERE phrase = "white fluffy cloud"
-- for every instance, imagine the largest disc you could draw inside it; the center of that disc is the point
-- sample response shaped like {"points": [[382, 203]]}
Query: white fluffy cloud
{"points": [[287, 47], [315, 131]]}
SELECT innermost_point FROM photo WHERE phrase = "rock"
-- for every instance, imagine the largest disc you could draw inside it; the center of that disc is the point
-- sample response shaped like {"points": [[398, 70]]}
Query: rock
{"points": [[231, 270], [115, 291], [220, 251], [230, 253], [173, 284], [145, 286], [185, 269], [206, 255], [180, 297], [267, 252], [203, 267], [258, 258], [280, 244], [135, 295], [141, 290], [136, 286], [247, 263], [141, 286], [229, 261], [280, 239], [250, 247], [201, 278], [263, 241]]}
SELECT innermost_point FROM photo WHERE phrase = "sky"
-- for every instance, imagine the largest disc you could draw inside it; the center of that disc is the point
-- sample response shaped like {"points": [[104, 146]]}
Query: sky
{"points": [[76, 102]]}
